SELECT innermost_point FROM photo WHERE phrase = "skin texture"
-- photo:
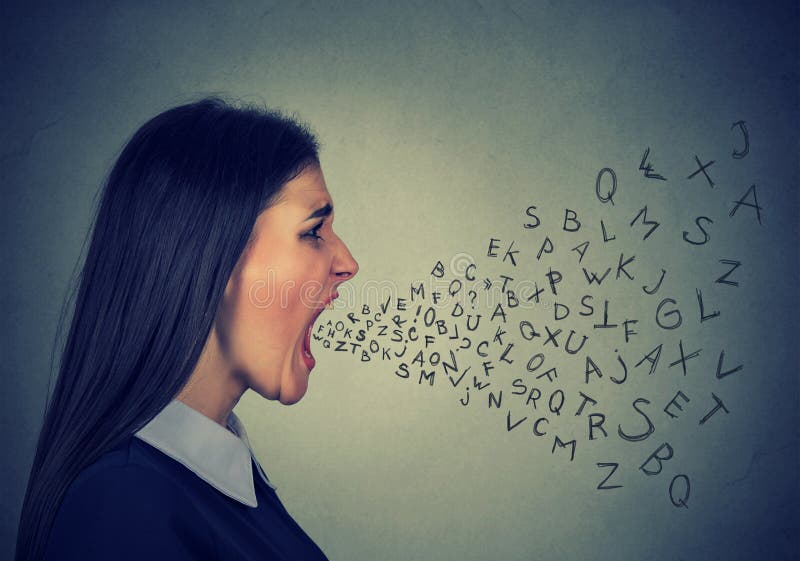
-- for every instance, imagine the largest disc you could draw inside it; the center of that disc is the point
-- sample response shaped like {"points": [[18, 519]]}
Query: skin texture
{"points": [[279, 283]]}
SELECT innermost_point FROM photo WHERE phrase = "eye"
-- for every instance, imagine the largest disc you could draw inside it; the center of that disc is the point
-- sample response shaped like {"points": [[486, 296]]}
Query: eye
{"points": [[313, 233]]}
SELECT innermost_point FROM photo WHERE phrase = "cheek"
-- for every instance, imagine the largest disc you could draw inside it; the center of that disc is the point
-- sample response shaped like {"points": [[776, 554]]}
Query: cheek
{"points": [[312, 288], [268, 304], [270, 310], [302, 277], [265, 313]]}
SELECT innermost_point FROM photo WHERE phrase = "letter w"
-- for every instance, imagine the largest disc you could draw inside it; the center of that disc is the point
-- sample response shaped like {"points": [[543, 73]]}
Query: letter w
{"points": [[594, 277]]}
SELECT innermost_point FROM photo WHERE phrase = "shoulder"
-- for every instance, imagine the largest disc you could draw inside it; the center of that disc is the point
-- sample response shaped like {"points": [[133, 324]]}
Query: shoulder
{"points": [[123, 509], [118, 477]]}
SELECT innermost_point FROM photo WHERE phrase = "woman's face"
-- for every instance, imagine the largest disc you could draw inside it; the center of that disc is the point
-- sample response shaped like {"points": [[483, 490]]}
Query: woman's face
{"points": [[281, 283]]}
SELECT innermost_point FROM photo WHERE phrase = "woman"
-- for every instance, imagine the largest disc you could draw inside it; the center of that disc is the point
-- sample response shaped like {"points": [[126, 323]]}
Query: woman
{"points": [[211, 256]]}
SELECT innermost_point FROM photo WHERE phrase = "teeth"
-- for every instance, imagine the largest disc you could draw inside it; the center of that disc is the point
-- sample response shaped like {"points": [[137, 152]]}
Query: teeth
{"points": [[329, 305]]}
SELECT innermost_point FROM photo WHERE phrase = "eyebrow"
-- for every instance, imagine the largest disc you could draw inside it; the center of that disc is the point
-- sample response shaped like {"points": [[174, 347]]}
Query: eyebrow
{"points": [[324, 211]]}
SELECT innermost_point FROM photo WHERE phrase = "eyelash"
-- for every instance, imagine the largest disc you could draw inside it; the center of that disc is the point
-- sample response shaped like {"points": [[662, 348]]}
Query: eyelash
{"points": [[313, 233]]}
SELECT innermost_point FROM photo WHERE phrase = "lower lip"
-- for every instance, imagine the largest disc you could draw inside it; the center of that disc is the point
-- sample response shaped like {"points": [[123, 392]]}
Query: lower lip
{"points": [[309, 361]]}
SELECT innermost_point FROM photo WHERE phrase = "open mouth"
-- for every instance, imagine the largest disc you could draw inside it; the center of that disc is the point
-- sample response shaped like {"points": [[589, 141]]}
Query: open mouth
{"points": [[308, 358]]}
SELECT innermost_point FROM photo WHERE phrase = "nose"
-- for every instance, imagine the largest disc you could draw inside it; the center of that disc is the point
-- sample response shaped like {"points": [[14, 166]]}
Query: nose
{"points": [[344, 266]]}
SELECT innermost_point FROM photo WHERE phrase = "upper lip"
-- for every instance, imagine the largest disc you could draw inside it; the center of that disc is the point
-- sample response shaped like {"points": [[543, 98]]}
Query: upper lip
{"points": [[331, 298], [324, 305]]}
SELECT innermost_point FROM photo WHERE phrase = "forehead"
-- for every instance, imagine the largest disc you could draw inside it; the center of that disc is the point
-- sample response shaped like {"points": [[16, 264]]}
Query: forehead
{"points": [[307, 191]]}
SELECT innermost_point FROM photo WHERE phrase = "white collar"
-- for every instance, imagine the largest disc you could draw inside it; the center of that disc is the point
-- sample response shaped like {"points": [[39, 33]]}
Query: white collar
{"points": [[216, 455]]}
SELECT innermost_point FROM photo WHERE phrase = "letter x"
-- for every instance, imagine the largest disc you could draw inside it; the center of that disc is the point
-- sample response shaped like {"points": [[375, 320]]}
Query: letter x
{"points": [[703, 169]]}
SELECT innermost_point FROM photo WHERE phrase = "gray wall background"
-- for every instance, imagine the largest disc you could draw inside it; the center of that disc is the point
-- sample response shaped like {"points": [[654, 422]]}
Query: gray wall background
{"points": [[441, 123]]}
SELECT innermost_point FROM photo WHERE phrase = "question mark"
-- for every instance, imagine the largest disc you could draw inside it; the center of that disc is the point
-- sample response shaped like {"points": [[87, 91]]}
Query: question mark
{"points": [[473, 295]]}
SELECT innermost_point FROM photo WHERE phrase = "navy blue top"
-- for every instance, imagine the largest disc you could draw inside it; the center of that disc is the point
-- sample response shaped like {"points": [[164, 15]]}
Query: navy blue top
{"points": [[137, 503]]}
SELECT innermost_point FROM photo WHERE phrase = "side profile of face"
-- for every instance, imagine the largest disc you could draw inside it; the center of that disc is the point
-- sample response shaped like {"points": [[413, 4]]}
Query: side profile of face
{"points": [[284, 278]]}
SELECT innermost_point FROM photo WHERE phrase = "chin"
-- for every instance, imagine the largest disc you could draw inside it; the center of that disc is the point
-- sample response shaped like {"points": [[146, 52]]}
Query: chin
{"points": [[285, 396], [293, 395], [289, 387], [289, 400]]}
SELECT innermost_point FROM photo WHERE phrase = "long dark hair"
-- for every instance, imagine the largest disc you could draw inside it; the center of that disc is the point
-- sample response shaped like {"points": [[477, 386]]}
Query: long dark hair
{"points": [[176, 212]]}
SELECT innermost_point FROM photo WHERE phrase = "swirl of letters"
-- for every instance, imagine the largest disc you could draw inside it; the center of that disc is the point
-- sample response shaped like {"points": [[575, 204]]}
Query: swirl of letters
{"points": [[499, 337]]}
